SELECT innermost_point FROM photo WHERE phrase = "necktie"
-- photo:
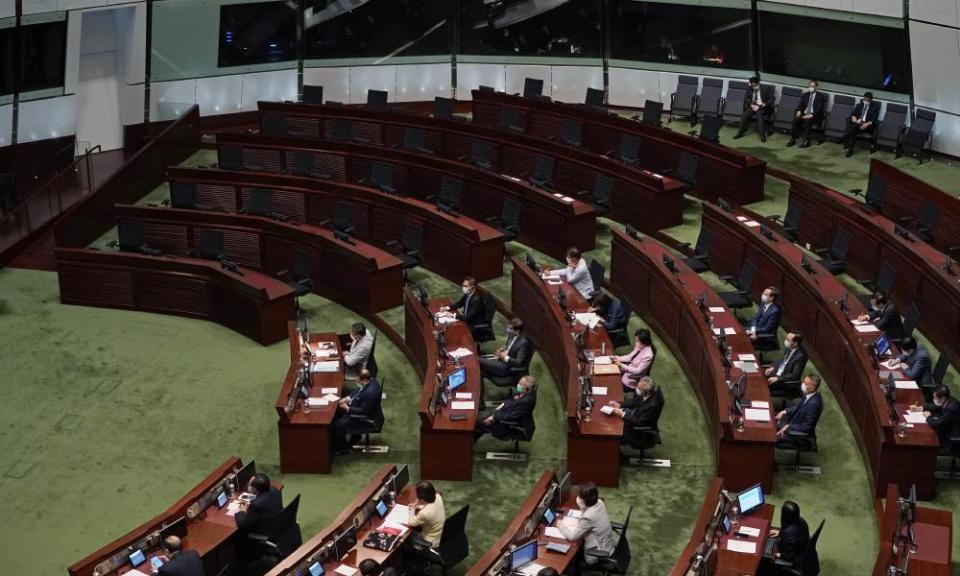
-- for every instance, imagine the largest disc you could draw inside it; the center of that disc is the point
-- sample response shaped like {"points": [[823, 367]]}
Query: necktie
{"points": [[783, 364], [466, 304], [810, 102], [863, 115], [510, 344], [756, 95]]}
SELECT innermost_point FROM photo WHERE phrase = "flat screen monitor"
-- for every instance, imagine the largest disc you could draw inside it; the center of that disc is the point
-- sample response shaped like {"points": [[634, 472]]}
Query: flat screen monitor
{"points": [[156, 562], [316, 569], [725, 524], [222, 499], [245, 474], [882, 345], [381, 508], [137, 558], [523, 555], [177, 528], [401, 479], [563, 490], [750, 499], [345, 542], [456, 379], [548, 517], [742, 387]]}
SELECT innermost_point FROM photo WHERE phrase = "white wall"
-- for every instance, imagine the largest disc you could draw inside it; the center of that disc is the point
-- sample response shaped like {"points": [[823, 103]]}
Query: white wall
{"points": [[935, 53], [6, 124], [877, 7], [562, 83]]}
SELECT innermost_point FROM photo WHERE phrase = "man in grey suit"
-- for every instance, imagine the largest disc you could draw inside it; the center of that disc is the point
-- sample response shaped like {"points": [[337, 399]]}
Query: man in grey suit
{"points": [[358, 354], [593, 527], [915, 364]]}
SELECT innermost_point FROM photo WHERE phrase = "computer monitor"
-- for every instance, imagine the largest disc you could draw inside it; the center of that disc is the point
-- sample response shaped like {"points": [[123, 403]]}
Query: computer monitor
{"points": [[156, 562], [382, 508], [548, 516], [523, 555], [456, 379], [725, 523], [316, 569], [137, 558], [750, 499], [882, 345], [177, 528], [344, 543], [401, 479], [245, 474], [531, 263], [563, 490], [221, 499]]}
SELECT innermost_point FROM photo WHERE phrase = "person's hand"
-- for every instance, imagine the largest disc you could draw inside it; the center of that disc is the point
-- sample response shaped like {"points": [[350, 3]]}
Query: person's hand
{"points": [[776, 555], [797, 114], [614, 403], [902, 366], [914, 408], [926, 414], [853, 119], [773, 379], [783, 431], [754, 107], [807, 116], [781, 414], [773, 533], [488, 420], [618, 412], [753, 335], [862, 318], [866, 125], [617, 361]]}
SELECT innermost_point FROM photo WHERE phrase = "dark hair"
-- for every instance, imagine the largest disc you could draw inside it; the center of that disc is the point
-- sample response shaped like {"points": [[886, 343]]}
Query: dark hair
{"points": [[589, 493], [364, 375], [643, 335], [789, 514], [754, 79], [908, 343], [470, 280], [573, 253], [868, 95], [370, 567], [601, 301], [880, 298], [814, 81], [798, 338], [172, 544], [260, 482], [426, 491], [774, 292], [941, 391], [359, 328], [516, 324], [548, 571], [815, 379]]}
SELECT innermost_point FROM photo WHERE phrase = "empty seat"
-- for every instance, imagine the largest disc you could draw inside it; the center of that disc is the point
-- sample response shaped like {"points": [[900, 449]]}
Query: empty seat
{"points": [[740, 298], [510, 119], [209, 246], [683, 102], [711, 98], [381, 177], [700, 261], [451, 190], [786, 108], [572, 133], [834, 259], [343, 218], [891, 126], [273, 124], [835, 123], [594, 97], [230, 157], [130, 238], [733, 101], [629, 152], [184, 195], [410, 247], [443, 108], [652, 113], [481, 154], [542, 176], [259, 203], [532, 87], [377, 99], [415, 140], [509, 220], [914, 142], [602, 189], [301, 163], [710, 127], [312, 94]]}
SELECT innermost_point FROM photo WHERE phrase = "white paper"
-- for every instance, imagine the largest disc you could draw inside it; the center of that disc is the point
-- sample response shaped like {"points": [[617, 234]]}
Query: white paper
{"points": [[571, 523], [552, 282], [316, 402], [463, 395], [331, 397], [588, 319], [906, 385], [728, 331], [717, 309], [602, 360], [345, 570], [531, 569], [747, 367], [232, 508], [742, 218], [607, 409], [759, 404], [134, 572], [599, 390], [757, 415], [327, 366], [747, 357], [751, 224], [914, 417], [748, 531], [397, 517], [553, 532], [857, 322], [460, 352], [461, 405], [573, 514], [866, 328], [735, 545], [444, 320], [329, 391]]}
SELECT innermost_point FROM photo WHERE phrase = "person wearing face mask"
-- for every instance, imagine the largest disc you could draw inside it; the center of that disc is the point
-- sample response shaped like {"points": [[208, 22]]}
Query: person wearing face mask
{"points": [[799, 421], [766, 322], [593, 526], [576, 273], [470, 306], [611, 312], [808, 114], [355, 409], [513, 358], [785, 375], [515, 411], [884, 316], [790, 540], [943, 415], [638, 362], [358, 353], [914, 362], [643, 410], [757, 103], [862, 121]]}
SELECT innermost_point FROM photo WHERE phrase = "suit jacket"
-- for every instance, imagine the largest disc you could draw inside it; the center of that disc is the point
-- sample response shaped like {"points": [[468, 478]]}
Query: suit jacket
{"points": [[474, 313], [919, 367], [364, 403], [873, 113], [767, 320], [888, 320], [766, 95], [793, 540], [356, 357], [593, 527], [519, 353], [819, 103], [263, 514], [185, 563], [803, 416], [613, 316], [642, 412], [793, 364], [517, 409], [945, 420]]}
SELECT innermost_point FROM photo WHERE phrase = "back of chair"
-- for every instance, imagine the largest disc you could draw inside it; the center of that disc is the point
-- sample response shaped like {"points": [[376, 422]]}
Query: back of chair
{"points": [[733, 103], [230, 157], [621, 554], [710, 97], [414, 138], [704, 240], [876, 190], [543, 169], [130, 235], [710, 127], [481, 153], [841, 244], [300, 162], [371, 363], [792, 219], [594, 97], [451, 190], [940, 369], [789, 100], [629, 148], [260, 202], [684, 99], [652, 111], [836, 123], [510, 214], [377, 99], [510, 118], [210, 246], [922, 123], [747, 273], [886, 276], [894, 118], [288, 537], [413, 238], [454, 545], [183, 195], [602, 187], [312, 94], [302, 265], [343, 216], [274, 124], [532, 87], [338, 129], [910, 320], [381, 174], [443, 107], [809, 562], [596, 274], [928, 217], [687, 166], [572, 133]]}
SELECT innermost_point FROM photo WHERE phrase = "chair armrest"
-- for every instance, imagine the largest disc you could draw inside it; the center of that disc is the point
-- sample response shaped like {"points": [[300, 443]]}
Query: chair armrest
{"points": [[726, 277], [491, 219], [822, 252], [285, 273], [905, 219], [596, 553], [775, 217], [609, 152], [257, 537], [765, 336], [683, 245], [391, 243], [791, 432]]}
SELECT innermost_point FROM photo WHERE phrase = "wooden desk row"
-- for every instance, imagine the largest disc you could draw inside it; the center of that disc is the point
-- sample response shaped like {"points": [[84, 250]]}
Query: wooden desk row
{"points": [[454, 247], [359, 276], [547, 223], [210, 531], [255, 305], [643, 199], [809, 302], [668, 301], [593, 438], [933, 535], [920, 280], [446, 445], [734, 175]]}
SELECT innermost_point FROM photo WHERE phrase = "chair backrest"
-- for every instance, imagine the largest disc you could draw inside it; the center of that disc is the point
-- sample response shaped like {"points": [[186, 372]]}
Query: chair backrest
{"points": [[371, 362], [484, 88], [340, 129], [210, 245], [532, 87], [543, 168], [274, 124], [230, 158], [343, 216], [794, 215], [130, 235], [413, 238], [260, 202], [302, 265], [843, 106], [629, 148], [594, 97], [510, 214], [894, 117], [922, 123], [300, 162], [481, 153], [451, 189], [910, 320], [414, 138], [621, 554], [454, 545], [510, 118], [652, 111], [940, 369], [710, 126], [886, 276], [489, 306], [288, 534], [747, 273], [876, 190], [683, 98], [602, 188], [377, 99], [687, 167], [381, 174], [710, 96], [312, 94], [789, 100], [928, 217], [183, 195], [443, 107], [841, 244], [572, 132], [596, 274], [704, 240], [733, 105], [808, 564]]}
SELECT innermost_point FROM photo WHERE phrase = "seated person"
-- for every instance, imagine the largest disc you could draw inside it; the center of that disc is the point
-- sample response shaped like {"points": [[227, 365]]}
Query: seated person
{"points": [[766, 322], [643, 410], [593, 526], [518, 409], [757, 103], [638, 362], [262, 514], [548, 571], [884, 316], [354, 409], [358, 352], [469, 307], [914, 362], [577, 274], [789, 368], [862, 121], [943, 415], [427, 513], [610, 311], [179, 562], [790, 540], [801, 417], [513, 358], [371, 567], [808, 114]]}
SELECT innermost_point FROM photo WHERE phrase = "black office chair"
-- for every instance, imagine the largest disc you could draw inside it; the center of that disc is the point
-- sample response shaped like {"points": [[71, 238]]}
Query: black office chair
{"points": [[517, 432], [916, 139], [381, 177], [890, 127], [338, 129], [927, 221], [481, 154], [542, 175], [273, 124], [451, 191], [484, 332], [616, 562], [732, 104], [300, 276], [415, 140], [230, 157], [618, 336], [834, 259], [686, 170], [377, 99], [806, 564], [710, 129], [652, 113], [572, 132], [301, 163], [835, 122], [883, 282], [371, 362], [740, 298], [508, 223], [641, 439], [911, 320], [700, 261], [594, 98], [791, 220], [409, 248], [130, 238], [210, 245], [953, 452], [532, 87], [184, 195], [786, 108], [454, 545], [372, 424], [443, 108], [312, 94], [287, 539], [260, 203], [940, 369], [629, 151], [683, 102], [710, 101], [596, 274], [787, 389], [799, 443], [510, 119], [602, 189], [343, 218]]}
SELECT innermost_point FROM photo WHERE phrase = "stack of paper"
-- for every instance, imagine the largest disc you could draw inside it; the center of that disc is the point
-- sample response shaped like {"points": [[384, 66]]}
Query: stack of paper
{"points": [[906, 385], [607, 409], [553, 532], [329, 391], [460, 353], [327, 366], [331, 397], [317, 402], [866, 328], [599, 390], [463, 395], [602, 360], [751, 224], [728, 331], [468, 405], [232, 508], [735, 545], [914, 417], [760, 404], [717, 309], [531, 569], [345, 570], [757, 414], [588, 319], [397, 517], [445, 320]]}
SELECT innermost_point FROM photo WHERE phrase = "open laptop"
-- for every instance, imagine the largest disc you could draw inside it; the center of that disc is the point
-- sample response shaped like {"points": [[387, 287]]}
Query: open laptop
{"points": [[523, 559]]}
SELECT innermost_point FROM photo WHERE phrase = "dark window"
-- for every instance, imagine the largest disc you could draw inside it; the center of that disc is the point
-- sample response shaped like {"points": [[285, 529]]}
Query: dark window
{"points": [[525, 28], [680, 34], [257, 33], [834, 51], [7, 40], [376, 29], [43, 55]]}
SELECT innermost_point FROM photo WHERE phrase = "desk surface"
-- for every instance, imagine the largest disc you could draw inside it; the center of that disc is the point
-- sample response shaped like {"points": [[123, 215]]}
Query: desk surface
{"points": [[933, 534]]}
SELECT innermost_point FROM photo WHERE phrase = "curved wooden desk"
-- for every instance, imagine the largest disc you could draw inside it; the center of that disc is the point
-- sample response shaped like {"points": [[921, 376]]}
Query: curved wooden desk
{"points": [[668, 301], [643, 199], [835, 346], [453, 246], [593, 439], [721, 171], [255, 305], [932, 531], [547, 223]]}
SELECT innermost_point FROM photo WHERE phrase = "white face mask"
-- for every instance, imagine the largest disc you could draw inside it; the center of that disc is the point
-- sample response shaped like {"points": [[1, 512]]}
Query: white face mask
{"points": [[786, 343], [465, 289], [804, 388], [811, 89], [581, 504], [764, 299]]}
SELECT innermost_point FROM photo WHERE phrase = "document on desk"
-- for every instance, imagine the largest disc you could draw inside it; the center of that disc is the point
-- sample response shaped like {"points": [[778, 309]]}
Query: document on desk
{"points": [[463, 395], [397, 517], [747, 366], [748, 531], [468, 405], [742, 218], [345, 570], [760, 404], [531, 569], [608, 409], [317, 402], [553, 532], [601, 369], [717, 309], [914, 417], [331, 397], [446, 320], [906, 385], [746, 357], [572, 514], [599, 390], [751, 224], [326, 391], [460, 352], [866, 328], [602, 360], [571, 522], [233, 508], [326, 366], [729, 331], [588, 319], [134, 572], [735, 545], [757, 414]]}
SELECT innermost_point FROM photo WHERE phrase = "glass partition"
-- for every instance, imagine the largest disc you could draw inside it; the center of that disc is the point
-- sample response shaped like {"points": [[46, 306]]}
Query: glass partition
{"points": [[257, 33]]}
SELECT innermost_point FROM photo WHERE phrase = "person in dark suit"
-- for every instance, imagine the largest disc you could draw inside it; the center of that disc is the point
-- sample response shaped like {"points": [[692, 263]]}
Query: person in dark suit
{"points": [[914, 362], [354, 409], [610, 311], [371, 567], [756, 104], [802, 417], [884, 316], [792, 538], [766, 322], [262, 515], [513, 358], [808, 114], [518, 409], [469, 307], [862, 121], [789, 369], [643, 410], [180, 562], [943, 415]]}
